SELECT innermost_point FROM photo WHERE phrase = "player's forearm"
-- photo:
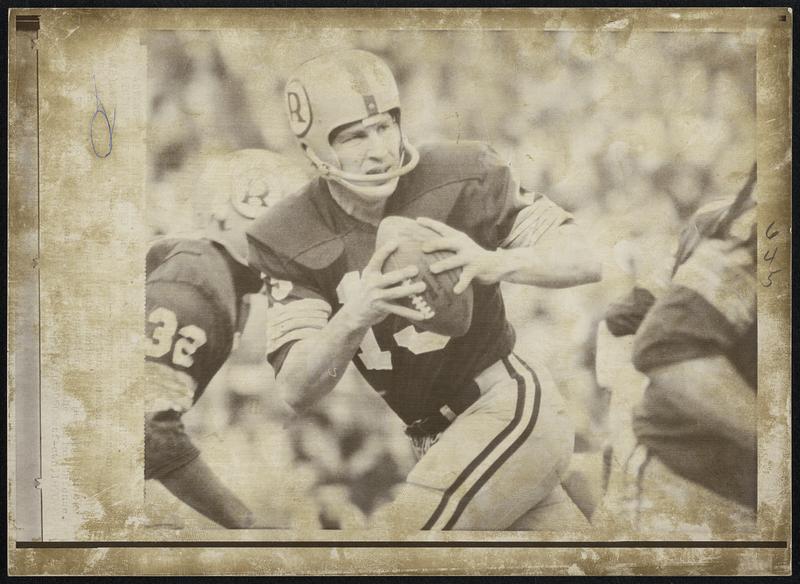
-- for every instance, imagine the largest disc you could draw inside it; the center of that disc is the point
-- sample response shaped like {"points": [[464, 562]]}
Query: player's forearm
{"points": [[196, 485], [315, 364], [711, 391], [560, 259]]}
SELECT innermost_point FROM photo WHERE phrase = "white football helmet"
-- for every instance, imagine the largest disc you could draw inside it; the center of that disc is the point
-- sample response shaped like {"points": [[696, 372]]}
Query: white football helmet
{"points": [[237, 187], [336, 89]]}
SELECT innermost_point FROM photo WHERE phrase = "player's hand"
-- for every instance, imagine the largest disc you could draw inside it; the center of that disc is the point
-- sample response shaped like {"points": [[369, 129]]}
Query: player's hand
{"points": [[476, 263], [255, 521], [376, 294]]}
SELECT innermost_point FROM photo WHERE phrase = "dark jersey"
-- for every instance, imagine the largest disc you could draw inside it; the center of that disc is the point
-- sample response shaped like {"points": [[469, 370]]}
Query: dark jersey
{"points": [[624, 316], [194, 294], [708, 310], [312, 250]]}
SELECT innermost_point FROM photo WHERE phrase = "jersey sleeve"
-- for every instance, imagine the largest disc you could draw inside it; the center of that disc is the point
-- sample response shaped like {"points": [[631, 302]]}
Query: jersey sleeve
{"points": [[296, 307], [521, 217], [710, 304], [536, 217], [167, 446], [624, 316], [187, 340], [186, 331]]}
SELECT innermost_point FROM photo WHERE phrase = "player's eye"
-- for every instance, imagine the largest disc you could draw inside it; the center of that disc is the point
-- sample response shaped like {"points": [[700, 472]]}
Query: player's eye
{"points": [[386, 126], [352, 138]]}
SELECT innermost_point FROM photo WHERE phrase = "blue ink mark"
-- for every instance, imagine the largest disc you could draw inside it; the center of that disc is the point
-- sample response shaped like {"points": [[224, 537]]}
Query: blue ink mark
{"points": [[100, 110]]}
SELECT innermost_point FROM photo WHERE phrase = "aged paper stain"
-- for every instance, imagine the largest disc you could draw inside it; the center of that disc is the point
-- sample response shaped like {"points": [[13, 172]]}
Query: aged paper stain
{"points": [[92, 221]]}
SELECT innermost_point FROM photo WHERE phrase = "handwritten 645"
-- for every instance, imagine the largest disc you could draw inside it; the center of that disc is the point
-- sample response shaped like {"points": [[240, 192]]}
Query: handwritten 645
{"points": [[771, 233]]}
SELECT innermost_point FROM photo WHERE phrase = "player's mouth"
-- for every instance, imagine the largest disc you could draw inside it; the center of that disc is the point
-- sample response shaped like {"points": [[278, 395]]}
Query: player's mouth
{"points": [[380, 169]]}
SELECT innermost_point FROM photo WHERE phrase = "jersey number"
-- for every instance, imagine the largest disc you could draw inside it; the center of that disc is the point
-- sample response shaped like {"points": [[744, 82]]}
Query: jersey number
{"points": [[370, 352], [190, 338]]}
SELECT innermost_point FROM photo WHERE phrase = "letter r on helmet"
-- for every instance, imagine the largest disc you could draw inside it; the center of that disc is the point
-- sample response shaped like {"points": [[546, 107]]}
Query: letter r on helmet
{"points": [[299, 108]]}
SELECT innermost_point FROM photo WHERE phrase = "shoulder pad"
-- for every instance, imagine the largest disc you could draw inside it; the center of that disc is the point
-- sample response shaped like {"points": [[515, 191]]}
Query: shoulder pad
{"points": [[443, 162], [295, 230], [193, 261], [201, 265], [159, 250], [166, 248], [447, 167]]}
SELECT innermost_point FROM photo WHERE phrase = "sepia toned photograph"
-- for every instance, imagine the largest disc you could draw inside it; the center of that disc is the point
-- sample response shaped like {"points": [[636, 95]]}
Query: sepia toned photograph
{"points": [[399, 292]]}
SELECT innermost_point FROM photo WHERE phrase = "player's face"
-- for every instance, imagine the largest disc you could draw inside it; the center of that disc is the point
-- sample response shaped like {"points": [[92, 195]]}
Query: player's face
{"points": [[370, 146]]}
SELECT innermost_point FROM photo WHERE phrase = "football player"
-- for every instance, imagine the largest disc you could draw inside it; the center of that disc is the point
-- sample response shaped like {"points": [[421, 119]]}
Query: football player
{"points": [[695, 426], [196, 304], [491, 431]]}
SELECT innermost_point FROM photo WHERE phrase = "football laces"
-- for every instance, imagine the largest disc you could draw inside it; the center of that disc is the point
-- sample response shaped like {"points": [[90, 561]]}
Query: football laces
{"points": [[420, 303]]}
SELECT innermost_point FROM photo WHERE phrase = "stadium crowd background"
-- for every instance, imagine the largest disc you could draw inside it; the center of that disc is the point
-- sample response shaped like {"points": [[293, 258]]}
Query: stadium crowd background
{"points": [[630, 131]]}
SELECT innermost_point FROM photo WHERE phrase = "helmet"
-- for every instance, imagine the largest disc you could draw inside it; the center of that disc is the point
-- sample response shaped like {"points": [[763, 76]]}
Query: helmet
{"points": [[336, 89], [236, 188]]}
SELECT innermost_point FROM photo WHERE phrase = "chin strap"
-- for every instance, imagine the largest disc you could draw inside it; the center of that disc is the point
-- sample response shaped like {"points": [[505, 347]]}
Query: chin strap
{"points": [[381, 191], [330, 172]]}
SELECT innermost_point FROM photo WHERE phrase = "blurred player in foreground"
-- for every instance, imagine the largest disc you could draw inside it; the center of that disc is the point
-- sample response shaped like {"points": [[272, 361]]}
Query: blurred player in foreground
{"points": [[345, 446], [491, 432], [197, 304], [694, 462]]}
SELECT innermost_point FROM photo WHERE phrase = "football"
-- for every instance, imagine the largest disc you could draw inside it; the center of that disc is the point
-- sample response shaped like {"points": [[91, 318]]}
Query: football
{"points": [[450, 313]]}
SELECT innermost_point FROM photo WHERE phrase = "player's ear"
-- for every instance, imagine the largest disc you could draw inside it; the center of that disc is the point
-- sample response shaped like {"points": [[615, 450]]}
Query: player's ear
{"points": [[220, 215]]}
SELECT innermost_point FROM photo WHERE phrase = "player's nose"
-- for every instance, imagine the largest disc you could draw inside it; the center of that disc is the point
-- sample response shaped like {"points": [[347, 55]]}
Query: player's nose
{"points": [[378, 148]]}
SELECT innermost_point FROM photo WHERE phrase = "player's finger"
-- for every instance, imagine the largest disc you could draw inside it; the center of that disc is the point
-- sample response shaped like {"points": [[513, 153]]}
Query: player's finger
{"points": [[402, 291], [408, 313], [379, 257], [441, 244], [397, 276], [437, 226], [464, 281], [449, 263]]}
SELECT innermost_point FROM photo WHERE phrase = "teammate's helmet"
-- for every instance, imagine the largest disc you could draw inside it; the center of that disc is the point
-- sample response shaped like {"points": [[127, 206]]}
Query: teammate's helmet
{"points": [[237, 187], [336, 89]]}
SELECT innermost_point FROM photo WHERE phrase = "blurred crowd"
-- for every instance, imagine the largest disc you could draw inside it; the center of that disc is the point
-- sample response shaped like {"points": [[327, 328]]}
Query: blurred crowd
{"points": [[630, 131]]}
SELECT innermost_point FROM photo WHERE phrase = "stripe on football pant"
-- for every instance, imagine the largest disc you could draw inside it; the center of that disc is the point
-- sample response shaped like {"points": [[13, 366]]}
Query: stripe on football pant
{"points": [[508, 440]]}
